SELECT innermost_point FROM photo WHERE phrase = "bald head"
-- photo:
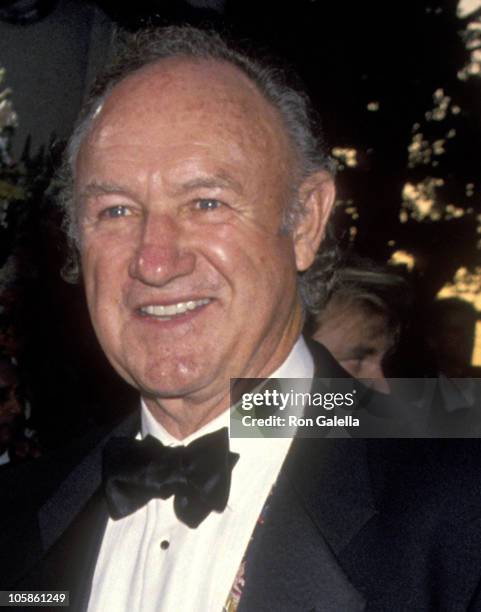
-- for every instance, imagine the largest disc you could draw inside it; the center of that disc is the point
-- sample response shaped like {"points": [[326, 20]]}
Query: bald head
{"points": [[137, 52], [155, 107]]}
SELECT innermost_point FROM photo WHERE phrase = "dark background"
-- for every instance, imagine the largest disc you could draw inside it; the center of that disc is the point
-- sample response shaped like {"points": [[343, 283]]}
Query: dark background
{"points": [[385, 77]]}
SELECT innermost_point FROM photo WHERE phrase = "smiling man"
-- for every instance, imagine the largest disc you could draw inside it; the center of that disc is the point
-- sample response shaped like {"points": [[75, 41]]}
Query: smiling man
{"points": [[182, 234], [197, 191]]}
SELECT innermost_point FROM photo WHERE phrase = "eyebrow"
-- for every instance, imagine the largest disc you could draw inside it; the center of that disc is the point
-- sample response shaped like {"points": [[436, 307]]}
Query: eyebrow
{"points": [[222, 180], [95, 189], [219, 180]]}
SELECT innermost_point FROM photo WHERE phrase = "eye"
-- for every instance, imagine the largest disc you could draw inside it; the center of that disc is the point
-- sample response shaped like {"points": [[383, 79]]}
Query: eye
{"points": [[115, 211], [208, 204]]}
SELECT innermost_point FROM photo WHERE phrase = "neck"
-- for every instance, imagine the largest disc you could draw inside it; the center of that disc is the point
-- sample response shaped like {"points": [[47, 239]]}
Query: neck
{"points": [[181, 417]]}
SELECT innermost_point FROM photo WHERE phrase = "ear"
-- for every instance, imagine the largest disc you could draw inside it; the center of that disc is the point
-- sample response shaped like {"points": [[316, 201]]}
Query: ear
{"points": [[316, 196]]}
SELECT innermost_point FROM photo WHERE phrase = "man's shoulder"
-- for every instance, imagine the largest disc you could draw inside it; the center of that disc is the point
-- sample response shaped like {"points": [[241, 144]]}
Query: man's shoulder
{"points": [[436, 477], [423, 543], [41, 498], [404, 476], [28, 485]]}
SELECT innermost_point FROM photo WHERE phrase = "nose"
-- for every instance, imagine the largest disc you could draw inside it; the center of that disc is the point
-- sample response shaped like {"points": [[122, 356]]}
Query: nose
{"points": [[161, 255]]}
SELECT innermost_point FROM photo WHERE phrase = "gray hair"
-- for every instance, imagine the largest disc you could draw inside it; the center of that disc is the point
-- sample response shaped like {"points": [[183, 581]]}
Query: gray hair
{"points": [[134, 51], [373, 287]]}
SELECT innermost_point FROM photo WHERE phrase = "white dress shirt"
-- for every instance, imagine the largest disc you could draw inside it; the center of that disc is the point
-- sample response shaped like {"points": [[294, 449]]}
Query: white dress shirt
{"points": [[151, 562]]}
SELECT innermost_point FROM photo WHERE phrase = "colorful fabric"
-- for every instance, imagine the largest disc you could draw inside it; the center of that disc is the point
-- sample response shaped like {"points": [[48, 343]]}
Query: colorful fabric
{"points": [[233, 600]]}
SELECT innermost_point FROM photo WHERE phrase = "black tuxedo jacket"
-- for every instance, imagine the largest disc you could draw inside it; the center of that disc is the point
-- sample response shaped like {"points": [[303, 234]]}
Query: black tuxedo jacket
{"points": [[374, 525]]}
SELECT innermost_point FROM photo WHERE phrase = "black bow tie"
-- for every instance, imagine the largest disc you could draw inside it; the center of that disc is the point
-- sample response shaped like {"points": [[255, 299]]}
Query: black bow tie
{"points": [[198, 475]]}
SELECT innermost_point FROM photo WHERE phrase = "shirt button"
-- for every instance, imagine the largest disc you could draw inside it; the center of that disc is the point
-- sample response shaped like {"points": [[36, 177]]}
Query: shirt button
{"points": [[164, 545]]}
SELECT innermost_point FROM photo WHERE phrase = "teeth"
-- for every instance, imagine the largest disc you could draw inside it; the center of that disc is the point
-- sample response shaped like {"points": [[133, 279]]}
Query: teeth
{"points": [[173, 309]]}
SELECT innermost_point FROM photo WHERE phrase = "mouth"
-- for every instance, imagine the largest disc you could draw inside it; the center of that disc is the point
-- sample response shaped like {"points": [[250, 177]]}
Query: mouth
{"points": [[172, 311]]}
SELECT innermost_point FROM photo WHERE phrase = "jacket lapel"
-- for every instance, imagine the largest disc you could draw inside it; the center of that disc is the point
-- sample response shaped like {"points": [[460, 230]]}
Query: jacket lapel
{"points": [[69, 563], [72, 523], [320, 502]]}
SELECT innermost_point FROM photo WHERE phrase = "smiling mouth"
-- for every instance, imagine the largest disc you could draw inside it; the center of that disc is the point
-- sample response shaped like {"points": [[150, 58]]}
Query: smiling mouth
{"points": [[172, 310]]}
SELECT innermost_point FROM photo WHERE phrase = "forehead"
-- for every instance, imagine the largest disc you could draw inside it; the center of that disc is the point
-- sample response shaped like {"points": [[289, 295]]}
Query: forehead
{"points": [[184, 103], [351, 325]]}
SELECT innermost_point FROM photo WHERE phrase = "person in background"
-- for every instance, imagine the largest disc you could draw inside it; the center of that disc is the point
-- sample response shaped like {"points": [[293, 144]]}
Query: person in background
{"points": [[18, 441], [361, 319]]}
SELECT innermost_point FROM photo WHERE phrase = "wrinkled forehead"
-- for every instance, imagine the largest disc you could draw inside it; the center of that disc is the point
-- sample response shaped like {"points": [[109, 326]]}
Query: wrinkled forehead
{"points": [[213, 98]]}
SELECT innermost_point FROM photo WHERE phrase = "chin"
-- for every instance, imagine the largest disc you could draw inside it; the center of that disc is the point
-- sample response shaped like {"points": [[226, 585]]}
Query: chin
{"points": [[172, 381]]}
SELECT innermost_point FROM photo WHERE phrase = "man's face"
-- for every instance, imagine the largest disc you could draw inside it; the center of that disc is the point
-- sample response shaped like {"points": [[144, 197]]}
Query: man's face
{"points": [[180, 186], [358, 339]]}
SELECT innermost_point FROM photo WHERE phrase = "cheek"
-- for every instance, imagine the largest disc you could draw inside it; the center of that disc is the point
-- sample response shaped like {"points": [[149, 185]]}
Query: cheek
{"points": [[92, 266], [103, 272], [257, 257]]}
